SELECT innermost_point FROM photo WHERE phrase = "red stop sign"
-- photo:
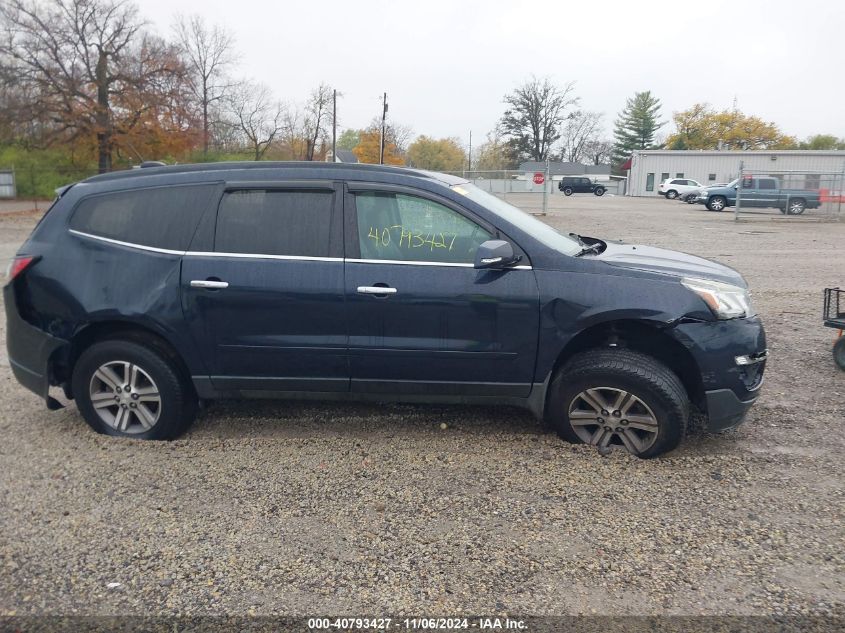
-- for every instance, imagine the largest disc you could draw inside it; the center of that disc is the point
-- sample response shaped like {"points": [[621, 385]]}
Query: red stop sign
{"points": [[539, 178]]}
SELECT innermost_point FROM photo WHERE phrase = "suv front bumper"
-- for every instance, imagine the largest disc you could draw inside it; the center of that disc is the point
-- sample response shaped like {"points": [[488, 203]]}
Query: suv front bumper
{"points": [[731, 356]]}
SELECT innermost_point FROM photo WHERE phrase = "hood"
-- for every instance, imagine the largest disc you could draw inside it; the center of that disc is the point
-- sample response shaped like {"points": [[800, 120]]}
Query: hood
{"points": [[661, 260]]}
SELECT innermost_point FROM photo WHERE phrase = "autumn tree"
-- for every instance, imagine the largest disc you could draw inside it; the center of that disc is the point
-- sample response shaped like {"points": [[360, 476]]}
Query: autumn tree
{"points": [[208, 52], [495, 154], [445, 154], [581, 129], [536, 111], [77, 56], [256, 116], [636, 125], [367, 150], [702, 127]]}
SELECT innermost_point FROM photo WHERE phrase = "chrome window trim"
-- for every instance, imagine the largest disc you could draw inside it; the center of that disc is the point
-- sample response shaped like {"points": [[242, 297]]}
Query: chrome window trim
{"points": [[303, 258], [108, 240]]}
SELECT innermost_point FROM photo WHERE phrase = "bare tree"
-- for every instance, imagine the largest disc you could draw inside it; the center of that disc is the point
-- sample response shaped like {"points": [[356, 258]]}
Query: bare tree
{"points": [[598, 152], [580, 129], [318, 112], [256, 116], [208, 52], [536, 111], [80, 56]]}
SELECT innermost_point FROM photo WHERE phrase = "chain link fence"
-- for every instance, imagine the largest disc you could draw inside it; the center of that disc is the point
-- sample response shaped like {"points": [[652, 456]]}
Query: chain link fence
{"points": [[792, 194], [530, 190]]}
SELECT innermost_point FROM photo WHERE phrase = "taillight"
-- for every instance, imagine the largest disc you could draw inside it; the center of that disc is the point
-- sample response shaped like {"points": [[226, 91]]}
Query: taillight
{"points": [[20, 264]]}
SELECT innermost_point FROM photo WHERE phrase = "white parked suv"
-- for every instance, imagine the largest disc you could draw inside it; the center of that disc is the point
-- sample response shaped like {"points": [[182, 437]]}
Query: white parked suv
{"points": [[674, 187]]}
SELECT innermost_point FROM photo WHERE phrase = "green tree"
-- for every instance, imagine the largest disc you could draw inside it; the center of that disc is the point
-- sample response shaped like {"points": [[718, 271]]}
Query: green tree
{"points": [[636, 126], [445, 154], [536, 111], [823, 141], [349, 139], [702, 127]]}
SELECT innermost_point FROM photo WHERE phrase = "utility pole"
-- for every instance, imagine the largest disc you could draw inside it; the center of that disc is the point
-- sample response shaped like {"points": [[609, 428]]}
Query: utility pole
{"points": [[383, 118], [469, 154], [334, 126]]}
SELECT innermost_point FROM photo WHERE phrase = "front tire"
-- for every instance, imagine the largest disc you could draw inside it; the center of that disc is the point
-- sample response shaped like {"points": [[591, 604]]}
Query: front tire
{"points": [[599, 191], [128, 389], [671, 194], [567, 191], [615, 396], [717, 203]]}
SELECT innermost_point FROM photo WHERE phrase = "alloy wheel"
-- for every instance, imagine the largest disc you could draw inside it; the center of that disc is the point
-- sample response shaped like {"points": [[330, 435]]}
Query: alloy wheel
{"points": [[125, 397], [606, 416]]}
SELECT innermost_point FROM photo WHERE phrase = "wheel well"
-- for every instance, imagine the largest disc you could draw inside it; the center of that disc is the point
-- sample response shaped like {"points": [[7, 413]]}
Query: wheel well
{"points": [[645, 338], [63, 361]]}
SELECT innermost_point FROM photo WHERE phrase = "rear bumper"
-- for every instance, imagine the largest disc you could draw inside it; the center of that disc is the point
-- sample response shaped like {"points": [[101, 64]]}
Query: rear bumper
{"points": [[29, 348]]}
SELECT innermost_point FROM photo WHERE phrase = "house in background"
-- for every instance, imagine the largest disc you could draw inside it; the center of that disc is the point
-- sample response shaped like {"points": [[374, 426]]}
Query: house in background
{"points": [[343, 156]]}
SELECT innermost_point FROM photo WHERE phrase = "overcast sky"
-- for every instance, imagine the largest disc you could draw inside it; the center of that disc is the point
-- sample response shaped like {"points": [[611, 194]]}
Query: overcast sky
{"points": [[446, 65]]}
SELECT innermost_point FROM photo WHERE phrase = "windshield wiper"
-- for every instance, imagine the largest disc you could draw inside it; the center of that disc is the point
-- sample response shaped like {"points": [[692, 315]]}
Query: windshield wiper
{"points": [[592, 248], [588, 248]]}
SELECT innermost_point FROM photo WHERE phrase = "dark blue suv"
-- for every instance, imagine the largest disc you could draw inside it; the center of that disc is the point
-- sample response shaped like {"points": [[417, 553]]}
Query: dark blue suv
{"points": [[142, 293]]}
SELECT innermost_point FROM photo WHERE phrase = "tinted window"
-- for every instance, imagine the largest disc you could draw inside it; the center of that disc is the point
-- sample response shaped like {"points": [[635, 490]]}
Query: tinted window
{"points": [[765, 183], [163, 217], [679, 182], [268, 222], [407, 228]]}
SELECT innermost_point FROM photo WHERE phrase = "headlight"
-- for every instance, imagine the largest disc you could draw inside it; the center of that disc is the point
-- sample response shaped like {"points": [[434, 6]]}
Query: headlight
{"points": [[725, 300]]}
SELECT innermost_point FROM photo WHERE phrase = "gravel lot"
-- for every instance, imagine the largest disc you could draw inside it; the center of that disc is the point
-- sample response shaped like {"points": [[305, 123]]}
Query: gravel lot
{"points": [[313, 509]]}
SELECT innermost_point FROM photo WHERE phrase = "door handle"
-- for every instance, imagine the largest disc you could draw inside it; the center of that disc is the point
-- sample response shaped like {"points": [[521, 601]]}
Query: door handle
{"points": [[209, 284], [376, 290]]}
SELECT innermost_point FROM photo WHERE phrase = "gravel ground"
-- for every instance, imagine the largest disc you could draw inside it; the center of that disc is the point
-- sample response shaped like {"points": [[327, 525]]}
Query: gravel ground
{"points": [[309, 509]]}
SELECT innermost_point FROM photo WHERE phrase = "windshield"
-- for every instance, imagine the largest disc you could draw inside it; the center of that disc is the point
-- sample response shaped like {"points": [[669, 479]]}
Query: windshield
{"points": [[540, 231], [733, 183]]}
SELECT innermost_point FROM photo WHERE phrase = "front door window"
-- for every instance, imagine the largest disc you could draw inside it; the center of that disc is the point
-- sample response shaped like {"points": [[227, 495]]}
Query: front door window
{"points": [[399, 227]]}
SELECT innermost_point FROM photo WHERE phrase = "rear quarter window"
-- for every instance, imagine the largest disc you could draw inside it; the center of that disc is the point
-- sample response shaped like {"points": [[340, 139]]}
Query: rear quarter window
{"points": [[161, 217]]}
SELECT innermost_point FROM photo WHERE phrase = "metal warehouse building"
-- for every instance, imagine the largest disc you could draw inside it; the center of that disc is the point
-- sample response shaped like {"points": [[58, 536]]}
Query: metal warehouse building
{"points": [[648, 168]]}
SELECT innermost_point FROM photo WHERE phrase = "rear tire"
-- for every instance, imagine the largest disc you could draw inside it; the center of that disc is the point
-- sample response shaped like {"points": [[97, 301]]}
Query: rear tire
{"points": [[599, 378], [839, 353], [796, 207], [671, 194], [158, 405], [567, 191]]}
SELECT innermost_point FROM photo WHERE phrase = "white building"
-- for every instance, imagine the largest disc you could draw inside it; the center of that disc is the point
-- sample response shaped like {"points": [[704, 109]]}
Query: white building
{"points": [[649, 168]]}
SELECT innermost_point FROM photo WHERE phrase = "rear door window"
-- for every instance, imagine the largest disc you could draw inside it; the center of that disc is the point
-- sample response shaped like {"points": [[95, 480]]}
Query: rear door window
{"points": [[161, 217], [400, 227], [276, 222]]}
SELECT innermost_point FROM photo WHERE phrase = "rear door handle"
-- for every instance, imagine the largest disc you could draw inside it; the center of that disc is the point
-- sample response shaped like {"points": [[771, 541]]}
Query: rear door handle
{"points": [[209, 284], [376, 290]]}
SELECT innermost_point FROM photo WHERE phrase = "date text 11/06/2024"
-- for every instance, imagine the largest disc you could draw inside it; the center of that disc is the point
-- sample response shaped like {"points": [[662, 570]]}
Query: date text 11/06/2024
{"points": [[418, 624]]}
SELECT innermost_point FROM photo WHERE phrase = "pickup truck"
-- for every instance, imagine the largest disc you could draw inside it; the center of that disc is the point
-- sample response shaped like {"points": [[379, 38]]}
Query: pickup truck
{"points": [[759, 192]]}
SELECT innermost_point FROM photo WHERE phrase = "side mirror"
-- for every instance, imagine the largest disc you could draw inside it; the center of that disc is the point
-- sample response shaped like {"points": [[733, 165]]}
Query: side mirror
{"points": [[494, 254]]}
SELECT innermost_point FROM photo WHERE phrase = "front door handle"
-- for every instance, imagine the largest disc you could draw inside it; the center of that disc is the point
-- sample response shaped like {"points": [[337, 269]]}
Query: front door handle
{"points": [[210, 284], [376, 290]]}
